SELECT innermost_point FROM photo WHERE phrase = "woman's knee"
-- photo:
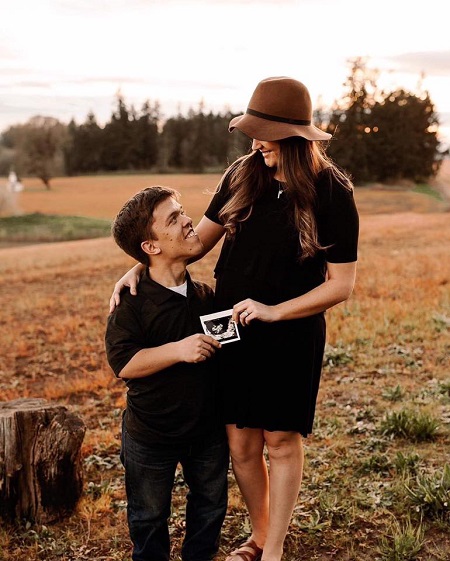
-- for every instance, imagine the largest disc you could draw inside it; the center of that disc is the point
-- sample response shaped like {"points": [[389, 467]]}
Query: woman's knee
{"points": [[284, 444], [245, 444]]}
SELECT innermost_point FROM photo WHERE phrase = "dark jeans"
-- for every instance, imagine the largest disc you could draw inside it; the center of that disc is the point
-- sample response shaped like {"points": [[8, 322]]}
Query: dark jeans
{"points": [[149, 479]]}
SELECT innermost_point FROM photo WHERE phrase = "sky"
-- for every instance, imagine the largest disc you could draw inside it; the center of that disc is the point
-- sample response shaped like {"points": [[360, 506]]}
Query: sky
{"points": [[67, 58]]}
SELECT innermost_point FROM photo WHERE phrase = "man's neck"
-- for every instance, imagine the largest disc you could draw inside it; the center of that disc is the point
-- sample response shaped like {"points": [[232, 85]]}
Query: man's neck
{"points": [[172, 275]]}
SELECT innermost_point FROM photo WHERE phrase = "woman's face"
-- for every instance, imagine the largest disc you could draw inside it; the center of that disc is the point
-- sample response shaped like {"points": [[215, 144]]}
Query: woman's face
{"points": [[270, 151]]}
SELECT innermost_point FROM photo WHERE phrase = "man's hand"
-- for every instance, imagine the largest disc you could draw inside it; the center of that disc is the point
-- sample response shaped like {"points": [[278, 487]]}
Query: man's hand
{"points": [[197, 348]]}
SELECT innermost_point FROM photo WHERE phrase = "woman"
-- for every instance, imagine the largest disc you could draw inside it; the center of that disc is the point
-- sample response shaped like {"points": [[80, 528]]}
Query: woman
{"points": [[289, 254]]}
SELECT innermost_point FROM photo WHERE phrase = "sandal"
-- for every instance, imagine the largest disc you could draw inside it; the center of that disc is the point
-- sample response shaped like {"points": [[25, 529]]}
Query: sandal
{"points": [[248, 551]]}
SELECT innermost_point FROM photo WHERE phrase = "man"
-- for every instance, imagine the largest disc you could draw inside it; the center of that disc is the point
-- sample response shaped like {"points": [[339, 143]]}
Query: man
{"points": [[154, 342]]}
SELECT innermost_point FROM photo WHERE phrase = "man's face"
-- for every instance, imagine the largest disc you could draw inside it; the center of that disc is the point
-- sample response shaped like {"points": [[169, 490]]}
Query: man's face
{"points": [[175, 236]]}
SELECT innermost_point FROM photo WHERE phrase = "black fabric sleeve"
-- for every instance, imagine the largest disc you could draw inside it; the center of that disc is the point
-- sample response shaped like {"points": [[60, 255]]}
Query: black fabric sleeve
{"points": [[124, 337], [338, 220], [218, 201]]}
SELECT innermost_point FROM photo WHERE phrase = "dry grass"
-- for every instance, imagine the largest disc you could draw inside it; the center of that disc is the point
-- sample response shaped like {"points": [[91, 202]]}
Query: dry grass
{"points": [[390, 339]]}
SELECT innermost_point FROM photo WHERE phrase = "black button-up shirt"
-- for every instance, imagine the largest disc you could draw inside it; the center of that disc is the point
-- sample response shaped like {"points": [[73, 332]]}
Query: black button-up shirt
{"points": [[179, 403]]}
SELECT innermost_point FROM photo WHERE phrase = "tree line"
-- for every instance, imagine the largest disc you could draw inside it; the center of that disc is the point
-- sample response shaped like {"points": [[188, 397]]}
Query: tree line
{"points": [[377, 136]]}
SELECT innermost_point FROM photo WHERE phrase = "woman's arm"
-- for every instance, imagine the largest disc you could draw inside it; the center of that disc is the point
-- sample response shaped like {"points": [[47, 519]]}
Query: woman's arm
{"points": [[209, 233], [337, 288]]}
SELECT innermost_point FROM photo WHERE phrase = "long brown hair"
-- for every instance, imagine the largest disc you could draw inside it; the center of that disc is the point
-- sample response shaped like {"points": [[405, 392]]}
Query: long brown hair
{"points": [[300, 163]]}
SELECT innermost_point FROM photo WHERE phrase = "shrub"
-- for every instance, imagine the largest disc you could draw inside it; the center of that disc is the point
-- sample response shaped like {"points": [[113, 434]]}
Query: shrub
{"points": [[431, 494], [403, 544], [412, 425]]}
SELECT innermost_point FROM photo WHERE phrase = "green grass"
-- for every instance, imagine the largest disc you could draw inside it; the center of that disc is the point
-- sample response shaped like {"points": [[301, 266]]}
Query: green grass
{"points": [[425, 189], [416, 426], [41, 228]]}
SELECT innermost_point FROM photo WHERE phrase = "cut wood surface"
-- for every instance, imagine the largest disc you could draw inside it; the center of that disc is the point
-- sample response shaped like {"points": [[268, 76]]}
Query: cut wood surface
{"points": [[40, 463]]}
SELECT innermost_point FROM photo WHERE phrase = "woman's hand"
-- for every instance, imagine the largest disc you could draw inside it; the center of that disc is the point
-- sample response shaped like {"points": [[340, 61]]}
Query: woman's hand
{"points": [[247, 310], [131, 278]]}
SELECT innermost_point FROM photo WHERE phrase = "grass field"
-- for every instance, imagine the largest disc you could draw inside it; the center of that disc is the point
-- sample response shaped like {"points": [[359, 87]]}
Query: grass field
{"points": [[377, 473]]}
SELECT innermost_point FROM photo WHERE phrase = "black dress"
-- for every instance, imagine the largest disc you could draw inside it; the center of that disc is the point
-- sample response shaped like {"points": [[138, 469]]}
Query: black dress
{"points": [[270, 378]]}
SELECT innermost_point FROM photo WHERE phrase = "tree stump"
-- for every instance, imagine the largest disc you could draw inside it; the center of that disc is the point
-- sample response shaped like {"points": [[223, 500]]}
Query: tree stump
{"points": [[40, 460]]}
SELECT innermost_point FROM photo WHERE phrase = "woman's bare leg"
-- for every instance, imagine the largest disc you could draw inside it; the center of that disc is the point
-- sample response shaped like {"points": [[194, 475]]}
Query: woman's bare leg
{"points": [[250, 470], [286, 456]]}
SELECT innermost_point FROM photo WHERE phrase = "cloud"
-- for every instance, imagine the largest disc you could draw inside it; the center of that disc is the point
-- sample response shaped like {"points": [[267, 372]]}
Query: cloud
{"points": [[431, 63]]}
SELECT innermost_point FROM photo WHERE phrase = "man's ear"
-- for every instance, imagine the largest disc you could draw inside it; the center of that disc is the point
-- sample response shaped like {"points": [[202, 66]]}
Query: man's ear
{"points": [[150, 247]]}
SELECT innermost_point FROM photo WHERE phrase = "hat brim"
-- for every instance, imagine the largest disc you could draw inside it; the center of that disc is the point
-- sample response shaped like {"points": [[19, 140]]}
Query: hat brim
{"points": [[263, 129]]}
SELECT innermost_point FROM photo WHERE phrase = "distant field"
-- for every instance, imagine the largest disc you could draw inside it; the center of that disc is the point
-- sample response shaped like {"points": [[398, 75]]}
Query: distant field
{"points": [[103, 196], [387, 353]]}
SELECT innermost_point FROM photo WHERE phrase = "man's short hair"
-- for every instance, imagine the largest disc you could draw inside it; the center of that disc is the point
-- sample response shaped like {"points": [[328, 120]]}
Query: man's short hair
{"points": [[133, 223]]}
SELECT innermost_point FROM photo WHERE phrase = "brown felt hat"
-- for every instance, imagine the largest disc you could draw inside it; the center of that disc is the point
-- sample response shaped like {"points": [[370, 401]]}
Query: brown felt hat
{"points": [[280, 107]]}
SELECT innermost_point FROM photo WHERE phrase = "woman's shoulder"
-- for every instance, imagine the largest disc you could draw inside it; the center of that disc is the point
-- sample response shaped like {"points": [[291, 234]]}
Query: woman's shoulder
{"points": [[333, 175], [333, 187]]}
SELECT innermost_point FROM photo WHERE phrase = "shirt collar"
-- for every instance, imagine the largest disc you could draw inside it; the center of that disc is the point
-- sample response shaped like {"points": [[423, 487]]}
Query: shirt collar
{"points": [[159, 293]]}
